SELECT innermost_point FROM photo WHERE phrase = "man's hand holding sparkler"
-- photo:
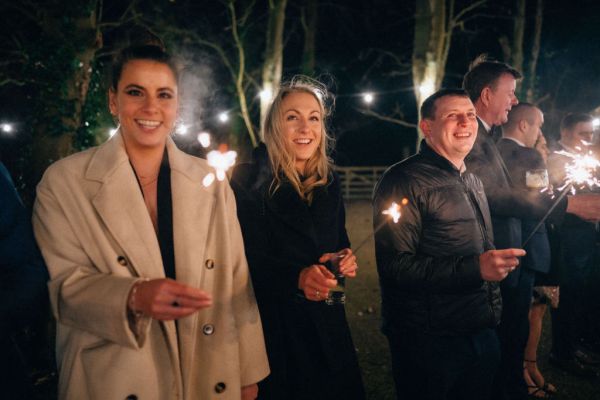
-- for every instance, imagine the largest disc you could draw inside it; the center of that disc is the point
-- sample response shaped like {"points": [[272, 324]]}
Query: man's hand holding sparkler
{"points": [[495, 265], [585, 205]]}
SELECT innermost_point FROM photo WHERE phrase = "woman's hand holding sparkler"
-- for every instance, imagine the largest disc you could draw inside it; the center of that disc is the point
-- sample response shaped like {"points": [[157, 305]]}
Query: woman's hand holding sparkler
{"points": [[347, 264], [495, 265], [166, 299]]}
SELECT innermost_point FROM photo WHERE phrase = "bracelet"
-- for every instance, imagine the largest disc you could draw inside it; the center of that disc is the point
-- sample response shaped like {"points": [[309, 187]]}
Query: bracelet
{"points": [[131, 302]]}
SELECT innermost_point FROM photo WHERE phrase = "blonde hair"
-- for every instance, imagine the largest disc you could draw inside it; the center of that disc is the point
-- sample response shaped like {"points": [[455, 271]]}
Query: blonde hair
{"points": [[282, 159]]}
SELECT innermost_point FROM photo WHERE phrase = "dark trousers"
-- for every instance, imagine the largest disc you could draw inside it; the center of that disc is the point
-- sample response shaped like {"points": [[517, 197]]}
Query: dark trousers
{"points": [[513, 332], [569, 320], [431, 367]]}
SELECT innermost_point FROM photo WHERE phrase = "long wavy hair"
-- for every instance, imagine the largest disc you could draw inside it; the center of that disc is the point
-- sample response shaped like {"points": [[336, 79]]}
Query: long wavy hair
{"points": [[281, 156]]}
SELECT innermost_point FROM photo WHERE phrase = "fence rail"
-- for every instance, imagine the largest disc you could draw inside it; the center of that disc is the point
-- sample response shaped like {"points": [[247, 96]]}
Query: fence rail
{"points": [[358, 182]]}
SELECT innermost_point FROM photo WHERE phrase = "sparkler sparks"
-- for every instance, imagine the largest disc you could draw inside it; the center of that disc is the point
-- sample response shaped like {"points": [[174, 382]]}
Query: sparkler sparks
{"points": [[581, 171], [204, 139], [393, 212], [221, 160]]}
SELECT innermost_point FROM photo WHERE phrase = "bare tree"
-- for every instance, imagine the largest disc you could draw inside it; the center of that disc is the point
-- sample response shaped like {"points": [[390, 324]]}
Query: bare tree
{"points": [[435, 21], [309, 24], [273, 62]]}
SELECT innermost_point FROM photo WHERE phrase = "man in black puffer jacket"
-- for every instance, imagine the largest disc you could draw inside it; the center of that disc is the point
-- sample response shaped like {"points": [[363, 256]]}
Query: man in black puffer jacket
{"points": [[437, 266]]}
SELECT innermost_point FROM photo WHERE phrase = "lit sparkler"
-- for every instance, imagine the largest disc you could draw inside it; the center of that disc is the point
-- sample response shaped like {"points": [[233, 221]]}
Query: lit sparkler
{"points": [[204, 139], [221, 160], [393, 212], [580, 173]]}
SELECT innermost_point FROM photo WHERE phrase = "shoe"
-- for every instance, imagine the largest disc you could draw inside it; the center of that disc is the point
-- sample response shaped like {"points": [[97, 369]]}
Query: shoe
{"points": [[534, 378], [534, 392], [587, 358], [573, 366]]}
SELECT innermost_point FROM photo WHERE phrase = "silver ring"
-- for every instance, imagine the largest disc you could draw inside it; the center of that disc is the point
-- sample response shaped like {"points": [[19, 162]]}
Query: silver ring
{"points": [[318, 294]]}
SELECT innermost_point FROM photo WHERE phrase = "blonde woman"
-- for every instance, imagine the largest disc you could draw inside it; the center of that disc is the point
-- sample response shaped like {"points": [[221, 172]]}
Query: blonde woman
{"points": [[292, 216], [148, 280]]}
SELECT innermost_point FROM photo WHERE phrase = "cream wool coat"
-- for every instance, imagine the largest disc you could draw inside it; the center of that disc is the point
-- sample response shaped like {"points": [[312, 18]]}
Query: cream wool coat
{"points": [[97, 238]]}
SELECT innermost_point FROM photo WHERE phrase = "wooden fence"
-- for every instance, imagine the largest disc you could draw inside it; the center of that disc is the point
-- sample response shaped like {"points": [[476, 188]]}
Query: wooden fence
{"points": [[358, 182]]}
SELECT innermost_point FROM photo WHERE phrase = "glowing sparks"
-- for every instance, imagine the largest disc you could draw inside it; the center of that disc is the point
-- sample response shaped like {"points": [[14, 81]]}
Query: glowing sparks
{"points": [[208, 179], [368, 98], [204, 139], [393, 212], [221, 160], [581, 171]]}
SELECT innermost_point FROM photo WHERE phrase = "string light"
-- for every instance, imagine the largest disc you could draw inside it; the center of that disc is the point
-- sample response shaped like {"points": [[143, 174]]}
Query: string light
{"points": [[223, 117], [368, 98], [7, 128], [266, 94]]}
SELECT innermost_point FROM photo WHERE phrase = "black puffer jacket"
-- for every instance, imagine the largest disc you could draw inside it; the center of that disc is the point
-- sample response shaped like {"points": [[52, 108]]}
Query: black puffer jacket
{"points": [[428, 262]]}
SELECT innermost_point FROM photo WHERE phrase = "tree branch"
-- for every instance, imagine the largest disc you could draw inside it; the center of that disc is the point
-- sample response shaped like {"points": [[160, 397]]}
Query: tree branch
{"points": [[386, 118], [456, 19]]}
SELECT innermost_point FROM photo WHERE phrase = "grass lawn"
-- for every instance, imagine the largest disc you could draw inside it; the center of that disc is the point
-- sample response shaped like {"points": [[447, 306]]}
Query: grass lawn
{"points": [[364, 315]]}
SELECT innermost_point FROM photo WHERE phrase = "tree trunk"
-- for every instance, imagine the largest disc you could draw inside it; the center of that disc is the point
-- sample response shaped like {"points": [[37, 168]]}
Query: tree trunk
{"points": [[518, 34], [535, 50], [65, 108], [429, 48], [310, 33], [273, 64]]}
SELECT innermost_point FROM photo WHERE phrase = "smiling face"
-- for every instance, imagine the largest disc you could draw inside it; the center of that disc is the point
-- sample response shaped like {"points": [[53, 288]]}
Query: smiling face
{"points": [[302, 126], [498, 99], [453, 131], [579, 136], [145, 102]]}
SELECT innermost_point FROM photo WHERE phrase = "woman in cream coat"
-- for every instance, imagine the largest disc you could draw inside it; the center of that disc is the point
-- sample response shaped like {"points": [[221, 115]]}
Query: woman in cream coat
{"points": [[124, 331]]}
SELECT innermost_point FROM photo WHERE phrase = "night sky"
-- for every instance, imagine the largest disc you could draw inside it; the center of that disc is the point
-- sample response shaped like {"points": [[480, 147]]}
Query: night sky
{"points": [[361, 46]]}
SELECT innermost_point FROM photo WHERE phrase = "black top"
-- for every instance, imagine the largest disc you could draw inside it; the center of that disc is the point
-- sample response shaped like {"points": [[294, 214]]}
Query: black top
{"points": [[428, 262]]}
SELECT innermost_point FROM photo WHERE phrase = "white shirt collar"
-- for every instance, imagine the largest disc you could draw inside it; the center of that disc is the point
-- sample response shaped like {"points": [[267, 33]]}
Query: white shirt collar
{"points": [[517, 141], [485, 125]]}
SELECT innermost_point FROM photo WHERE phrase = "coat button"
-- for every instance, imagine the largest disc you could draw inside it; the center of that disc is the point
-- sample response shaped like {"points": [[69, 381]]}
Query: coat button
{"points": [[208, 329], [131, 397], [210, 263], [122, 260], [220, 387]]}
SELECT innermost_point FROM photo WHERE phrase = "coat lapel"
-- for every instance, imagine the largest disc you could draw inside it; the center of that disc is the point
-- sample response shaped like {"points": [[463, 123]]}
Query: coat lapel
{"points": [[120, 204]]}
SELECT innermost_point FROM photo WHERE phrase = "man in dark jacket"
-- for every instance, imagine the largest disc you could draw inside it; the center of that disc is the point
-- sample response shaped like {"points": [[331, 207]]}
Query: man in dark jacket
{"points": [[437, 267], [491, 87], [578, 245]]}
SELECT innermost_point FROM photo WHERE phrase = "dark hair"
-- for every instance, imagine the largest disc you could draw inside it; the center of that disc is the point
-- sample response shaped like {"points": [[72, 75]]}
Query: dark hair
{"points": [[483, 73], [428, 106], [151, 52], [518, 113], [572, 119]]}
